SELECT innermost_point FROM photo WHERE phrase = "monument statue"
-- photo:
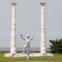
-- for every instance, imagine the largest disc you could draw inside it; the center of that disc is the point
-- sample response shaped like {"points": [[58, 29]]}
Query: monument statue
{"points": [[27, 39]]}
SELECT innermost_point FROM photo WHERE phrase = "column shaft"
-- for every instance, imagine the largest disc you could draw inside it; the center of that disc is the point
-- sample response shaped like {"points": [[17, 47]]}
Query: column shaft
{"points": [[13, 32], [43, 31]]}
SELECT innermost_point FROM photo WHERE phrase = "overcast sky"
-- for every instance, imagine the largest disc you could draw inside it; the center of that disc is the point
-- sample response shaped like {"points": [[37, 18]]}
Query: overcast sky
{"points": [[28, 21]]}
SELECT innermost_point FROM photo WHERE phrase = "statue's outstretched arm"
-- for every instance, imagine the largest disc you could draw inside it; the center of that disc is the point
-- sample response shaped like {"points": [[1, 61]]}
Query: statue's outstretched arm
{"points": [[32, 37], [22, 37]]}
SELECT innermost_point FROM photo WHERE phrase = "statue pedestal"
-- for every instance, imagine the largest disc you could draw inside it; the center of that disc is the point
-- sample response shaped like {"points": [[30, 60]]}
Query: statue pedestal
{"points": [[25, 55]]}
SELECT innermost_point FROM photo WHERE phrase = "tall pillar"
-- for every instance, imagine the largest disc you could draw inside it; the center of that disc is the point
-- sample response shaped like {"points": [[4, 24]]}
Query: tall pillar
{"points": [[13, 31], [43, 31]]}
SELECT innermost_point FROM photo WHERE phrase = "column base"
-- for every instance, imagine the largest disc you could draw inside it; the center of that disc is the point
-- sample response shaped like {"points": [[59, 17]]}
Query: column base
{"points": [[46, 54], [9, 55]]}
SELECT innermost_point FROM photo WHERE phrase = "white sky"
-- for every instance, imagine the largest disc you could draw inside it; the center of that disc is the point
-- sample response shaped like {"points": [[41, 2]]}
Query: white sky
{"points": [[28, 21]]}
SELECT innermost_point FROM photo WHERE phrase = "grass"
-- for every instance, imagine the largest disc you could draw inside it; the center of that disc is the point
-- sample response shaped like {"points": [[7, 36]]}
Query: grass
{"points": [[55, 58]]}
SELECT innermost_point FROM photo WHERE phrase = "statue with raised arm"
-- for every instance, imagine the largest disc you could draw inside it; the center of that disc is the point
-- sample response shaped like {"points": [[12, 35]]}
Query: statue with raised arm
{"points": [[27, 39]]}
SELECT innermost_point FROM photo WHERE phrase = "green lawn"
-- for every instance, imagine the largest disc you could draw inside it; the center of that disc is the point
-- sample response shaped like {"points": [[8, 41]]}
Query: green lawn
{"points": [[55, 58]]}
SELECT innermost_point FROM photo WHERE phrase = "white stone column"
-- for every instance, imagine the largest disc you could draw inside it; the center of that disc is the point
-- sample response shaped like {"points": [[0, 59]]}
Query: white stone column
{"points": [[13, 31], [43, 31]]}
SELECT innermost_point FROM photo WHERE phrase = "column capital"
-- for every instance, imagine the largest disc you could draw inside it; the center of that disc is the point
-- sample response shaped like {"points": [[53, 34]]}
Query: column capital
{"points": [[42, 3], [14, 3]]}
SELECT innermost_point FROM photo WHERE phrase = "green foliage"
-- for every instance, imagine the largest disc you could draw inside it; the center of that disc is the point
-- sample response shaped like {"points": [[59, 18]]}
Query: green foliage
{"points": [[56, 46]]}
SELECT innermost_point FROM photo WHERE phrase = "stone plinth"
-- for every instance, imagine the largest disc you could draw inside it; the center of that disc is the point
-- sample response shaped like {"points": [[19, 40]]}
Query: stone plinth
{"points": [[24, 55]]}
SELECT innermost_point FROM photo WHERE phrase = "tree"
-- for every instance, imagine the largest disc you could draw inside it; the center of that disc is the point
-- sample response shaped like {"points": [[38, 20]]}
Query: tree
{"points": [[56, 46]]}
